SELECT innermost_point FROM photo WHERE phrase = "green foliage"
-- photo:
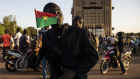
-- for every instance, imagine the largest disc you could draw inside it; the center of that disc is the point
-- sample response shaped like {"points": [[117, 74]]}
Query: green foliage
{"points": [[2, 29], [21, 30], [10, 24], [132, 34], [31, 31], [138, 34]]}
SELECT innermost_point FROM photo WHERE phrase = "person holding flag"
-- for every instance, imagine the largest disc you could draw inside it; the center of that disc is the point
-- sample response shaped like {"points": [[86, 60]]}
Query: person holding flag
{"points": [[67, 49], [44, 19]]}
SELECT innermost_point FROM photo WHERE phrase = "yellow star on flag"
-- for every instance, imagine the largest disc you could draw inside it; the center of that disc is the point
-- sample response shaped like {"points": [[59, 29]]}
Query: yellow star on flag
{"points": [[45, 18]]}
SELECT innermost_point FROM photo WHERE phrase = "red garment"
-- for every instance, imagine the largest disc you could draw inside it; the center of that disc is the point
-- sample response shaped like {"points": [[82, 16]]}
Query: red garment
{"points": [[6, 40]]}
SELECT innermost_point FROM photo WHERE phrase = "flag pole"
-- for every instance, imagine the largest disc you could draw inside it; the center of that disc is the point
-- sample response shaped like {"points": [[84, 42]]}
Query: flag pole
{"points": [[36, 20]]}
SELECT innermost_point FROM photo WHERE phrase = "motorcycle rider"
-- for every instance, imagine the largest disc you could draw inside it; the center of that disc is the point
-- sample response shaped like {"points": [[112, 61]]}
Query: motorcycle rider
{"points": [[23, 43], [136, 42], [120, 45], [25, 46], [35, 46]]}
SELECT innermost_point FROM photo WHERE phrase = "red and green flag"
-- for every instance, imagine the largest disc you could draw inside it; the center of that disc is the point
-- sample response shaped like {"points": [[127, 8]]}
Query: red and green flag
{"points": [[44, 19]]}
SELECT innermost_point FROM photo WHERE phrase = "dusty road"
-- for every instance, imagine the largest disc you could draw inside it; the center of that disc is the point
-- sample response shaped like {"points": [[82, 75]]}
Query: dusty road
{"points": [[133, 73]]}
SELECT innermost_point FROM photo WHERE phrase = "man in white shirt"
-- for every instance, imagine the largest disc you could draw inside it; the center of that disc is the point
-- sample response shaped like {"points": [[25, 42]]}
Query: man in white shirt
{"points": [[17, 37], [12, 43]]}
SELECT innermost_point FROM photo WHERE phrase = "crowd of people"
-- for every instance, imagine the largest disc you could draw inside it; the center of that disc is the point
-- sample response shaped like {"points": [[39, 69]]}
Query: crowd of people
{"points": [[71, 51]]}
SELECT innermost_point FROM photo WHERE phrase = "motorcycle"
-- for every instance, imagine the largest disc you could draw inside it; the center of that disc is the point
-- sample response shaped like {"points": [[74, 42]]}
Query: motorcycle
{"points": [[110, 60], [18, 61]]}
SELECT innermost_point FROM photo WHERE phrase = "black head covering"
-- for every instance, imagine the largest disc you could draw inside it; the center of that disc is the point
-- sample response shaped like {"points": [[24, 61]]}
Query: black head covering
{"points": [[50, 6]]}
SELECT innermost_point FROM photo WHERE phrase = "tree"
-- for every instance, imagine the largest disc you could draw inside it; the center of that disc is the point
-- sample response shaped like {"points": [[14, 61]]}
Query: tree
{"points": [[10, 24], [31, 31], [2, 29], [21, 29], [138, 34]]}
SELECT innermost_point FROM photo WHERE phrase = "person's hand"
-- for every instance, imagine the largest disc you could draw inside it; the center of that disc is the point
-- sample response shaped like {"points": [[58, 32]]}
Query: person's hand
{"points": [[68, 74]]}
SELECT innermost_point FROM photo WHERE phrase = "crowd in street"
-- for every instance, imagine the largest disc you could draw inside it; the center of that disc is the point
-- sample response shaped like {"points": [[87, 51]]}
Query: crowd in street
{"points": [[23, 43], [71, 51]]}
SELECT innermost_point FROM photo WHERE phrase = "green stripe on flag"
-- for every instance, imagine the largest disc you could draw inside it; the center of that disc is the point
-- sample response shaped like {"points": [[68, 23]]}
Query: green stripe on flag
{"points": [[41, 22]]}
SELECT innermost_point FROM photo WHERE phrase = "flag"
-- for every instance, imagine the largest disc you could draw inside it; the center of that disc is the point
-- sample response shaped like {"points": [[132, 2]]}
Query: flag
{"points": [[44, 19]]}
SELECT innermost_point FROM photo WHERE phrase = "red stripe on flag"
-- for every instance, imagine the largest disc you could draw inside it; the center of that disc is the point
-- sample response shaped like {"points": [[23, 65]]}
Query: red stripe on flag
{"points": [[40, 14]]}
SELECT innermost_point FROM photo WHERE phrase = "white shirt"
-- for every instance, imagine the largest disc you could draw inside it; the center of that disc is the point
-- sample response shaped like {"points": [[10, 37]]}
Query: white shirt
{"points": [[12, 41], [17, 37], [28, 39], [112, 40]]}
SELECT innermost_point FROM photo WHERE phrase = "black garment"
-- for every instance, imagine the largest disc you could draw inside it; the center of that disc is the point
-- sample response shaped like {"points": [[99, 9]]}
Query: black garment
{"points": [[139, 45], [120, 45], [78, 52], [0, 40], [121, 63], [23, 44], [73, 51], [4, 52], [51, 47], [100, 40]]}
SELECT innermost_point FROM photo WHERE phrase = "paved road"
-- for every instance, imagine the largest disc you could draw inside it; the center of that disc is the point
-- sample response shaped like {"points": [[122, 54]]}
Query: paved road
{"points": [[133, 73]]}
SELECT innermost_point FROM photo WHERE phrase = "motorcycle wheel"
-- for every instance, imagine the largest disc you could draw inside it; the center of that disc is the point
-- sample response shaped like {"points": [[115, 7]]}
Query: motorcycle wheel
{"points": [[21, 64], [104, 67], [127, 63], [10, 67]]}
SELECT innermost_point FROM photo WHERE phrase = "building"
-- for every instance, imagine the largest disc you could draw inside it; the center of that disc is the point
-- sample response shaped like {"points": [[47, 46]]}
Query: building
{"points": [[97, 15]]}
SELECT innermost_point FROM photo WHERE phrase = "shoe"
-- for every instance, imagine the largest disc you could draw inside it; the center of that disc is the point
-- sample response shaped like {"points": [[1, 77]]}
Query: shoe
{"points": [[124, 73]]}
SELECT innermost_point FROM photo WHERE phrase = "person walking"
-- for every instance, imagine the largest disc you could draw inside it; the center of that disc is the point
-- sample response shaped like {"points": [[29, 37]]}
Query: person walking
{"points": [[6, 43], [16, 38]]}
